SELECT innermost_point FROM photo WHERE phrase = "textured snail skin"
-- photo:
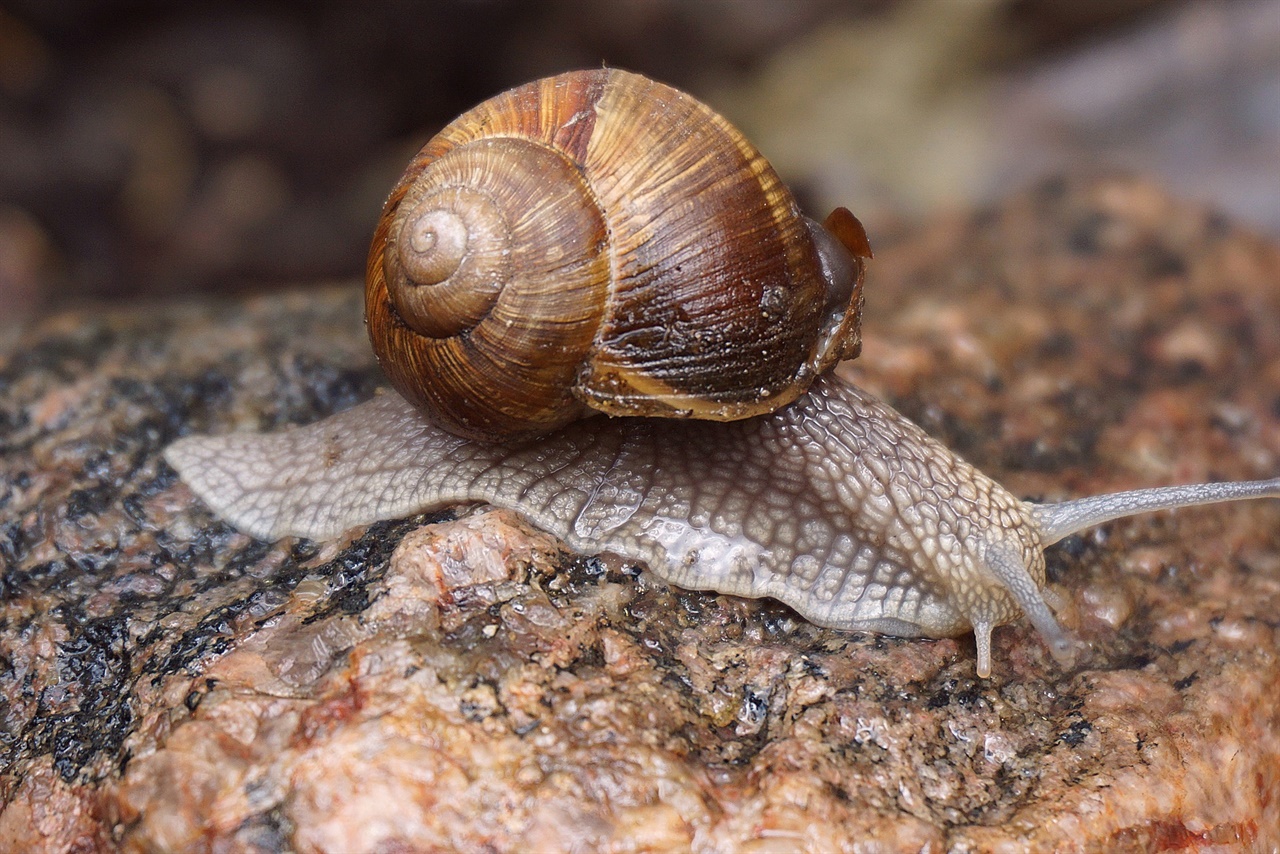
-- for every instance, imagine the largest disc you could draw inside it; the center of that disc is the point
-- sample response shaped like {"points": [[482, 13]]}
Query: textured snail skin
{"points": [[836, 505]]}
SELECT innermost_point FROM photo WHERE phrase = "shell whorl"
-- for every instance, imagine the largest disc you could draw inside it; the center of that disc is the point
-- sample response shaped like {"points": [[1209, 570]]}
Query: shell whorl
{"points": [[597, 241], [476, 329], [449, 257]]}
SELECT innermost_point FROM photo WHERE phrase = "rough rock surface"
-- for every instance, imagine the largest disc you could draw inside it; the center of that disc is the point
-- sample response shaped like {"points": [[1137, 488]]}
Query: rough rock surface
{"points": [[459, 682]]}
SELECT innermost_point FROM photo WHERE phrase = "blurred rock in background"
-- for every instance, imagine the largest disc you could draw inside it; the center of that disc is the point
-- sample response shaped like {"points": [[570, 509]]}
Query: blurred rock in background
{"points": [[152, 149], [932, 104]]}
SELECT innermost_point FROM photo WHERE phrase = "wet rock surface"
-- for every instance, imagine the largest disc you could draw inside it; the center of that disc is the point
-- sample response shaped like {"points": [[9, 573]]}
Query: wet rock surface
{"points": [[458, 681]]}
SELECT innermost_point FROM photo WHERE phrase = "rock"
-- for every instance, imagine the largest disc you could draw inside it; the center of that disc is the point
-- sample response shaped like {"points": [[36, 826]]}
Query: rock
{"points": [[459, 682]]}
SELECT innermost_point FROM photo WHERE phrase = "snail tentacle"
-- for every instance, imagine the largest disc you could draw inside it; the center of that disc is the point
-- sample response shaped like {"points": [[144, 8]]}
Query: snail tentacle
{"points": [[1068, 517], [1006, 563]]}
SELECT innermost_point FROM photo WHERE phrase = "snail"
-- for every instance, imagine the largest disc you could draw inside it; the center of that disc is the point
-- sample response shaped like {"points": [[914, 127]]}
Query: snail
{"points": [[695, 301]]}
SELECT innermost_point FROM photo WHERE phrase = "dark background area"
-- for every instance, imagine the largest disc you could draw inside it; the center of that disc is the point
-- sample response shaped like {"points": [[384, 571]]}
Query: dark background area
{"points": [[155, 149]]}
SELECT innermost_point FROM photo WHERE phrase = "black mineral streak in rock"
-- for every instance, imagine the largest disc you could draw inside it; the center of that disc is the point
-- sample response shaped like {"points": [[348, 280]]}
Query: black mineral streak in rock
{"points": [[89, 550], [364, 562]]}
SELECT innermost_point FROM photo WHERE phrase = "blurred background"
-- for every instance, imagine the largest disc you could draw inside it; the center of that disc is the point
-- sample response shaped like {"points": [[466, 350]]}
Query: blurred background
{"points": [[153, 149]]}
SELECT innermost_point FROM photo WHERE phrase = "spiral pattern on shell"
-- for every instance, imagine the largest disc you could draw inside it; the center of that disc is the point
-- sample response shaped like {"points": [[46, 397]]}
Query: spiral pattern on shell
{"points": [[597, 241]]}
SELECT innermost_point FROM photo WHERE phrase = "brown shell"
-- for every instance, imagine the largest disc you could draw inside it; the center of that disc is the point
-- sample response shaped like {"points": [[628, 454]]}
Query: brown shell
{"points": [[637, 256]]}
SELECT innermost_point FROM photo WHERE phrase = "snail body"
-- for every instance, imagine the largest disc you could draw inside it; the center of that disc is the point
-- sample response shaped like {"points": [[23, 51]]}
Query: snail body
{"points": [[799, 486]]}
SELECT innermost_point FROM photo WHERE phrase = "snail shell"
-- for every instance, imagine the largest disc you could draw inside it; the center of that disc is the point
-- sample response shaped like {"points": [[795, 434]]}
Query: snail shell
{"points": [[597, 241]]}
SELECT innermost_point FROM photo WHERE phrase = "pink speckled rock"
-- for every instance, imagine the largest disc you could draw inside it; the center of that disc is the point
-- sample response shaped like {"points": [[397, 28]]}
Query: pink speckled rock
{"points": [[461, 683]]}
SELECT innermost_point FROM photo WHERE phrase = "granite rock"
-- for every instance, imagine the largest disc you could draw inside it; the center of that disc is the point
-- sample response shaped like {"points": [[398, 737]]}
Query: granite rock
{"points": [[460, 682]]}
